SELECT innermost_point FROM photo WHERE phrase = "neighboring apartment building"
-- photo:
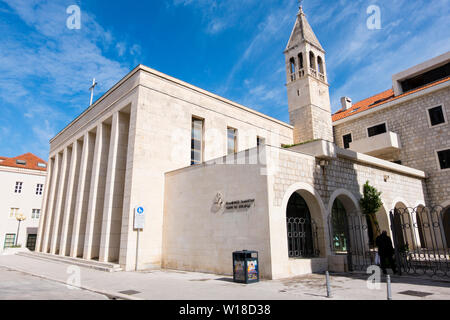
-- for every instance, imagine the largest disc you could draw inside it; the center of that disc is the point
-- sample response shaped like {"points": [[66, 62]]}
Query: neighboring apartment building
{"points": [[408, 124], [22, 182]]}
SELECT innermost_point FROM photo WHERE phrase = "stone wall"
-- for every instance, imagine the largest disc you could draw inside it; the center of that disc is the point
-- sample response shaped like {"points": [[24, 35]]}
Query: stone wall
{"points": [[341, 179], [341, 173], [198, 236], [419, 141]]}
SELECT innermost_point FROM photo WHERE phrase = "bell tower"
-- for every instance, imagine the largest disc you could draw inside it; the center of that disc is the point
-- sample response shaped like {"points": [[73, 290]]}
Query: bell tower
{"points": [[307, 84]]}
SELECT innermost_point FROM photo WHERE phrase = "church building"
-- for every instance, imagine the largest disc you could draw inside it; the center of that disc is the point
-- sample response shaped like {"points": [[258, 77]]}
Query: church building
{"points": [[213, 177]]}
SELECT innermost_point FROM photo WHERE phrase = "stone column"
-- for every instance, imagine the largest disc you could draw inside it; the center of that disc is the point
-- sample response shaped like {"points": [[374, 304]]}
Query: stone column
{"points": [[44, 206], [59, 202], [51, 200], [80, 197], [109, 189], [93, 194], [126, 255], [68, 205]]}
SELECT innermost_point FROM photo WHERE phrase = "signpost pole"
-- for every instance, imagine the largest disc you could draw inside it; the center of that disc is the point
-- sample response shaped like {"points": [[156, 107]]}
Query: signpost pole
{"points": [[137, 249], [139, 224]]}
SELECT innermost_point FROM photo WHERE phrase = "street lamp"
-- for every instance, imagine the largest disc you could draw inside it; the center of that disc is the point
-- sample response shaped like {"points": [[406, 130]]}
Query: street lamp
{"points": [[20, 218]]}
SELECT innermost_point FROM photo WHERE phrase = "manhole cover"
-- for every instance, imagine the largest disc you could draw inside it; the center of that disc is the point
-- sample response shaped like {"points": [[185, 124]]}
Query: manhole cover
{"points": [[416, 294], [129, 292]]}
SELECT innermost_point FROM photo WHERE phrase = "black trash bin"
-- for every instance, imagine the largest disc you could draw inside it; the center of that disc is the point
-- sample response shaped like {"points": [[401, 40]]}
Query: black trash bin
{"points": [[245, 267]]}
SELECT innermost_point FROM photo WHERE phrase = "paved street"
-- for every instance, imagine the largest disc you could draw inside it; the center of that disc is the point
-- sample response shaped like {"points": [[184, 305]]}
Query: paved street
{"points": [[18, 285], [178, 285]]}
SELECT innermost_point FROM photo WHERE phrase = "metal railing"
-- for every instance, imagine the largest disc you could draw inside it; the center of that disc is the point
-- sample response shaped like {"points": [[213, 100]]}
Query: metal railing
{"points": [[302, 238], [421, 240]]}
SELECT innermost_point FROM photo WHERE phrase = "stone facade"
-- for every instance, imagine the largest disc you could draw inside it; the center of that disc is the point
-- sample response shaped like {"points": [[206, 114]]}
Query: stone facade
{"points": [[307, 85], [419, 141], [198, 236]]}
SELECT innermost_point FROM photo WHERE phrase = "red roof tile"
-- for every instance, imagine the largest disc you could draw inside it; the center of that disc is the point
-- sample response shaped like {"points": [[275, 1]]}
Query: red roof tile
{"points": [[378, 100], [30, 159]]}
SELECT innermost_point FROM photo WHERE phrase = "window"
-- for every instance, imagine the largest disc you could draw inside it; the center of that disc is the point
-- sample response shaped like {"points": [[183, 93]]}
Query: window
{"points": [[312, 60], [42, 165], [320, 65], [426, 78], [444, 159], [39, 189], [21, 162], [18, 188], [232, 141], [300, 61], [10, 241], [13, 213], [260, 141], [376, 130], [197, 141], [36, 214], [436, 115], [347, 140], [292, 68]]}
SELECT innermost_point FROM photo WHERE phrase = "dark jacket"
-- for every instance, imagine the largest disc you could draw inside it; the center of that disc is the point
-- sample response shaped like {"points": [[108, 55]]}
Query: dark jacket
{"points": [[384, 244]]}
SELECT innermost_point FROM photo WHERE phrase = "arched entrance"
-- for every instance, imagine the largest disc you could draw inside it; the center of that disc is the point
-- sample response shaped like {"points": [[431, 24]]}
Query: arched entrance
{"points": [[383, 221], [400, 215], [349, 230], [339, 227], [301, 228]]}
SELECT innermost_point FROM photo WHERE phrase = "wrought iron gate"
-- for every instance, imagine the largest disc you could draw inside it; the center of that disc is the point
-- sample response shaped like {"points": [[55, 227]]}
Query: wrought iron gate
{"points": [[302, 238], [421, 240], [349, 236], [361, 253]]}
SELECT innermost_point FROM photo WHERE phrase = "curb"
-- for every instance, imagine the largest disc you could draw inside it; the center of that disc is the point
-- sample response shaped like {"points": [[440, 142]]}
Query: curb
{"points": [[109, 294]]}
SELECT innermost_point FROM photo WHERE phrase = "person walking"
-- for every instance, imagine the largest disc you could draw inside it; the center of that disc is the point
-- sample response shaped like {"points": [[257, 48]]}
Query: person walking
{"points": [[386, 252]]}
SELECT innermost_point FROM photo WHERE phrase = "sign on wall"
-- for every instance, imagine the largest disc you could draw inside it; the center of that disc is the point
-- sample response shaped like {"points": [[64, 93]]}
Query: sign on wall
{"points": [[139, 217], [239, 205]]}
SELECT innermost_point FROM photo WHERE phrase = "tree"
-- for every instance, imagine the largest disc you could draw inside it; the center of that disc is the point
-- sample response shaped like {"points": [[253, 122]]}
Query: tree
{"points": [[370, 204]]}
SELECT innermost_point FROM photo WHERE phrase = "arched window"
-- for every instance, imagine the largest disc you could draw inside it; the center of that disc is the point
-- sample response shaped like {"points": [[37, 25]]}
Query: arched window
{"points": [[320, 65], [339, 226], [301, 229], [312, 60], [300, 61], [292, 65]]}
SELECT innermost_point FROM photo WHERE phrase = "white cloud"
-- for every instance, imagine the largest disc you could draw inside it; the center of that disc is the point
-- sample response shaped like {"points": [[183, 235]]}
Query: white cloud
{"points": [[362, 62], [50, 69]]}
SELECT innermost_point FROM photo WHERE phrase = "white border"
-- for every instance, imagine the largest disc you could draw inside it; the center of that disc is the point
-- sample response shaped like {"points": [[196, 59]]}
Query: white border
{"points": [[437, 159], [444, 111]]}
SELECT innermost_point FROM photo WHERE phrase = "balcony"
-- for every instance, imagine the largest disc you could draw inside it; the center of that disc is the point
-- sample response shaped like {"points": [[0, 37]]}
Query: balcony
{"points": [[384, 146]]}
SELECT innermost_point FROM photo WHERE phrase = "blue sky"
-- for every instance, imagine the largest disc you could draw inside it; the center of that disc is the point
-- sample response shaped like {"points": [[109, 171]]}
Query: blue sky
{"points": [[231, 47]]}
